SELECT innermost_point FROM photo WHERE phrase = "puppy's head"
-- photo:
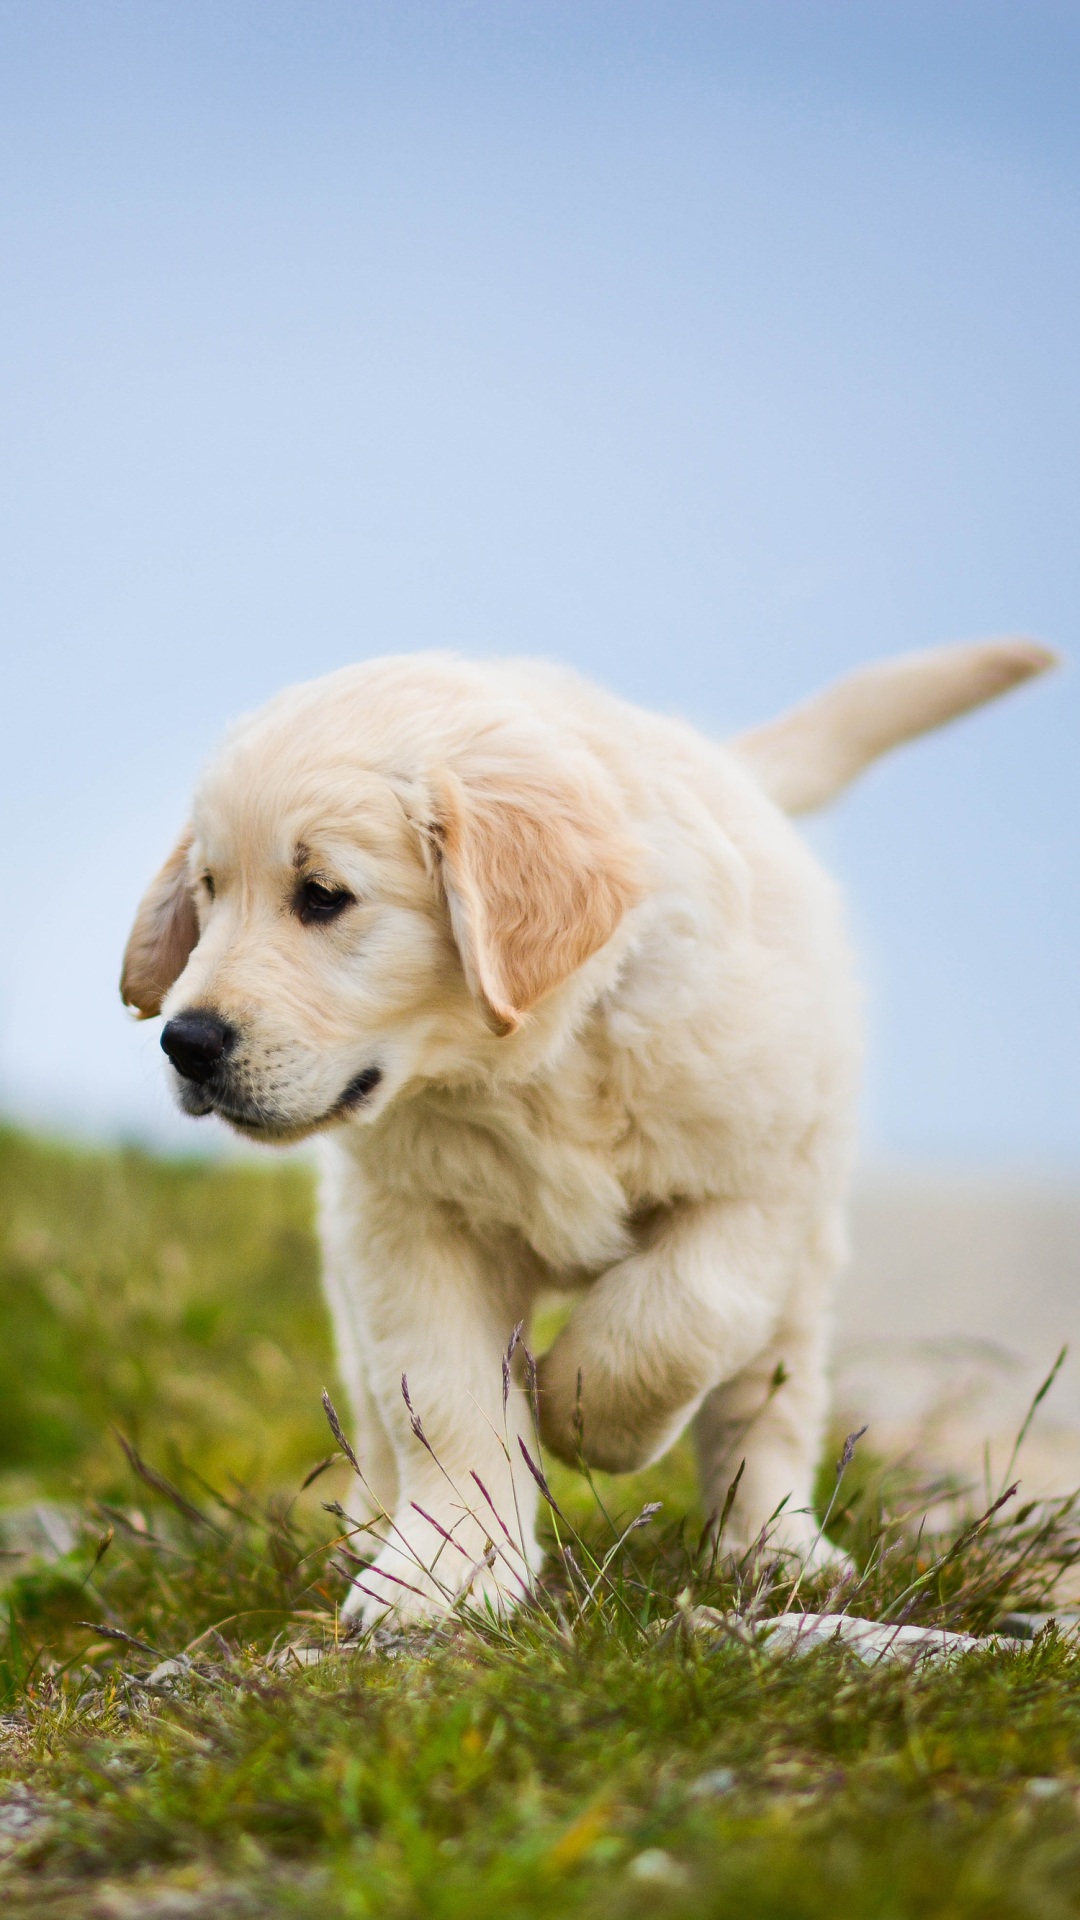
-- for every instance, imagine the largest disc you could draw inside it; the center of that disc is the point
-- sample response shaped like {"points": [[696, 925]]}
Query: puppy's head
{"points": [[374, 889]]}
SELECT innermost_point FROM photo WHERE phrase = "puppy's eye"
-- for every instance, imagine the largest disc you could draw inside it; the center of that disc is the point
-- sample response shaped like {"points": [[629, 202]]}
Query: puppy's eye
{"points": [[208, 883], [317, 903]]}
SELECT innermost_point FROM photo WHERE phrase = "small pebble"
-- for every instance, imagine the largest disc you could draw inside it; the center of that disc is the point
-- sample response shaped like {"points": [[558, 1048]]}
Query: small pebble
{"points": [[658, 1868], [1044, 1788], [712, 1785], [168, 1670]]}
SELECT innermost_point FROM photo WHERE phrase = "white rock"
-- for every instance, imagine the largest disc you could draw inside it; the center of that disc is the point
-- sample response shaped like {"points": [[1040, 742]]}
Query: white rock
{"points": [[872, 1641]]}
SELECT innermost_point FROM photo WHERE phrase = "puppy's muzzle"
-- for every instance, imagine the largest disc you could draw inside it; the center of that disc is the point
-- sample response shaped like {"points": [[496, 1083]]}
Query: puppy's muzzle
{"points": [[197, 1043]]}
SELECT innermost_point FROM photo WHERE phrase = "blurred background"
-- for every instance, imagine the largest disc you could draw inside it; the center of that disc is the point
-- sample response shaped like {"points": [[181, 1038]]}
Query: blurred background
{"points": [[711, 348]]}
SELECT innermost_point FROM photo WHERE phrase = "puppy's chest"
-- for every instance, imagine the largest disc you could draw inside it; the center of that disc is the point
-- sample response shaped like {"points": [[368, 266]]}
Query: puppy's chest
{"points": [[542, 1161]]}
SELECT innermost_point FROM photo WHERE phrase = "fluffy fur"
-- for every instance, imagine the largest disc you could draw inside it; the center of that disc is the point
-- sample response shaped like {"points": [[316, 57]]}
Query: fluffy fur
{"points": [[605, 996]]}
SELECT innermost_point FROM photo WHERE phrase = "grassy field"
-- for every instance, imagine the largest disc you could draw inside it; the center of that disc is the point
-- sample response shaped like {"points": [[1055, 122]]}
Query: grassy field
{"points": [[593, 1758]]}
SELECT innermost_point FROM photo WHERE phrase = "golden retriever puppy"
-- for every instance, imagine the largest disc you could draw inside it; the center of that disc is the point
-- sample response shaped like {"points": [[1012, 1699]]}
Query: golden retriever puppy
{"points": [[571, 1006]]}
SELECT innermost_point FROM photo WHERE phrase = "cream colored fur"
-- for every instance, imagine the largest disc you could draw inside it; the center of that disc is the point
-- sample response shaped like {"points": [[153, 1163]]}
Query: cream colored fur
{"points": [[609, 995]]}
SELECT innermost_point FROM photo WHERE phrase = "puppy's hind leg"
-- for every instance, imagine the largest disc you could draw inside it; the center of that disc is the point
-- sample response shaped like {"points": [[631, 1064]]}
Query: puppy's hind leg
{"points": [[769, 1420]]}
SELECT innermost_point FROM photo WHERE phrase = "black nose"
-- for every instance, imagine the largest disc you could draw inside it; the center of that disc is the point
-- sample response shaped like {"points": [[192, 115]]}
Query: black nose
{"points": [[195, 1042]]}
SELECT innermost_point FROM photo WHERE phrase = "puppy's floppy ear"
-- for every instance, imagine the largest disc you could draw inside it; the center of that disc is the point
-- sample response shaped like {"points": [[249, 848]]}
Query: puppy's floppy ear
{"points": [[537, 876], [165, 931]]}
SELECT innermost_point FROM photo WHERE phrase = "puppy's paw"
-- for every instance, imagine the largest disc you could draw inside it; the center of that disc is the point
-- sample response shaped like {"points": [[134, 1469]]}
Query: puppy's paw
{"points": [[401, 1589], [582, 1418]]}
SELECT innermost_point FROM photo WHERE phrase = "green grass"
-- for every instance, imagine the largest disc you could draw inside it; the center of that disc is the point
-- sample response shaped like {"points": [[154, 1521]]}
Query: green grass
{"points": [[174, 1299], [591, 1758]]}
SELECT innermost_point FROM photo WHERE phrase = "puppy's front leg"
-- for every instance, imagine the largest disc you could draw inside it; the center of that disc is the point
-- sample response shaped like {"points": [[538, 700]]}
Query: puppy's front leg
{"points": [[656, 1332], [434, 1307]]}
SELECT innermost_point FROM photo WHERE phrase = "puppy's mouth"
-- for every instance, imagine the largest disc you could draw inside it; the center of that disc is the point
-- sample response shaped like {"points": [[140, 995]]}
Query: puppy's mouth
{"points": [[359, 1089], [243, 1110], [259, 1121]]}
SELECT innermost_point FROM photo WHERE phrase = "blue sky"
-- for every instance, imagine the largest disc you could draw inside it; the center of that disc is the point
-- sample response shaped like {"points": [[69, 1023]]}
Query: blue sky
{"points": [[713, 349]]}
